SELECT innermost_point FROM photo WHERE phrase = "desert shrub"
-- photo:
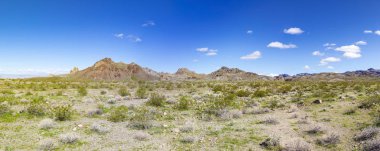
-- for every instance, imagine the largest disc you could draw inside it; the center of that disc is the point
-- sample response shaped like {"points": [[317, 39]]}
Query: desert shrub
{"points": [[141, 93], [118, 114], [68, 138], [260, 110], [62, 112], [269, 120], [315, 130], [366, 134], [141, 119], [46, 124], [141, 136], [59, 93], [329, 140], [4, 108], [298, 145], [370, 102], [285, 89], [372, 145], [184, 103], [188, 127], [37, 109], [243, 93], [47, 145], [103, 92], [123, 91], [188, 139], [156, 100], [260, 93], [7, 91], [94, 111], [82, 91], [272, 104], [349, 111], [217, 88], [96, 127], [272, 143]]}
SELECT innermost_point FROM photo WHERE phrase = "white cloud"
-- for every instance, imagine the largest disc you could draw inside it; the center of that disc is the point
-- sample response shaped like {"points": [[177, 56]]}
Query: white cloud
{"points": [[252, 56], [202, 49], [280, 45], [120, 35], [293, 31], [350, 51], [207, 51], [195, 60], [272, 74], [148, 23], [318, 53], [327, 60], [134, 38], [368, 31], [377, 32], [306, 67], [361, 43], [329, 45], [330, 67], [249, 32]]}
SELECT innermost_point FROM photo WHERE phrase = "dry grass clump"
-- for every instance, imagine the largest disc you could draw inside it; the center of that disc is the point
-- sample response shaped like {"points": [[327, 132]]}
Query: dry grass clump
{"points": [[47, 145], [260, 110], [96, 127], [271, 143], [317, 129], [270, 120], [303, 120], [188, 127], [331, 139], [188, 139], [68, 138], [297, 145], [46, 124], [142, 119], [372, 145], [94, 111], [141, 136], [293, 109], [366, 134]]}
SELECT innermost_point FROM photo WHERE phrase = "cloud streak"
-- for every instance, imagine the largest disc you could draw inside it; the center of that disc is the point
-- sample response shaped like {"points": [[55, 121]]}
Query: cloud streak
{"points": [[252, 56], [280, 45]]}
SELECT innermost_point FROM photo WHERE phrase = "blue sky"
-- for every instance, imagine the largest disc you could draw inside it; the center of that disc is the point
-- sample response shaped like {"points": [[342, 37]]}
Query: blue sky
{"points": [[266, 37]]}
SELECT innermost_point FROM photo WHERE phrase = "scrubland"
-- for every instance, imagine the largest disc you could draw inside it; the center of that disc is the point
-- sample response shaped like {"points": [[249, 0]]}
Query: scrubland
{"points": [[62, 114]]}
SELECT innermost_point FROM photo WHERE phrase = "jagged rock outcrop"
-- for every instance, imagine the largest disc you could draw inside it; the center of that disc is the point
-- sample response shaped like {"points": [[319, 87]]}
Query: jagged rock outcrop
{"points": [[108, 70]]}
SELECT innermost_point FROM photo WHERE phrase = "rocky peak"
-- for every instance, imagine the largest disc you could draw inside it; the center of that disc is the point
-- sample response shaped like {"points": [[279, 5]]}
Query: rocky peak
{"points": [[182, 71], [74, 70], [105, 61]]}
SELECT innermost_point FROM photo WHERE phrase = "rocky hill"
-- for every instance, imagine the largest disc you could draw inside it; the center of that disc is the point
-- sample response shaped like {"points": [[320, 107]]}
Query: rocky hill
{"points": [[108, 70], [225, 73]]}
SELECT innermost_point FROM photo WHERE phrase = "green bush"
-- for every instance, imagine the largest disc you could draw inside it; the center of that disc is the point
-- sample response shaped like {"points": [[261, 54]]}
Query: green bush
{"points": [[4, 108], [103, 92], [243, 93], [123, 91], [37, 109], [118, 114], [141, 93], [62, 112], [156, 100], [184, 103], [82, 91], [142, 119], [260, 93], [370, 102]]}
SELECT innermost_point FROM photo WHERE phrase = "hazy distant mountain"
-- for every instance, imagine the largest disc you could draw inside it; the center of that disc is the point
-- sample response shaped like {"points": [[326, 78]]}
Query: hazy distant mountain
{"points": [[106, 69]]}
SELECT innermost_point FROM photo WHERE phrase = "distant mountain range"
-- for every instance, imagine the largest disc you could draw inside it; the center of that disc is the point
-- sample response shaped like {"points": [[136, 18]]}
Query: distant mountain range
{"points": [[108, 70]]}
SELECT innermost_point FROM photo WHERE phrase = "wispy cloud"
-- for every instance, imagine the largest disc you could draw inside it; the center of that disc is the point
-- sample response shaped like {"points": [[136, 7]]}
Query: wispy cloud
{"points": [[207, 51], [361, 43], [134, 38], [280, 45], [376, 32], [249, 32], [120, 35], [148, 24], [293, 31], [252, 56], [328, 60], [318, 53], [330, 67], [306, 67], [350, 51]]}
